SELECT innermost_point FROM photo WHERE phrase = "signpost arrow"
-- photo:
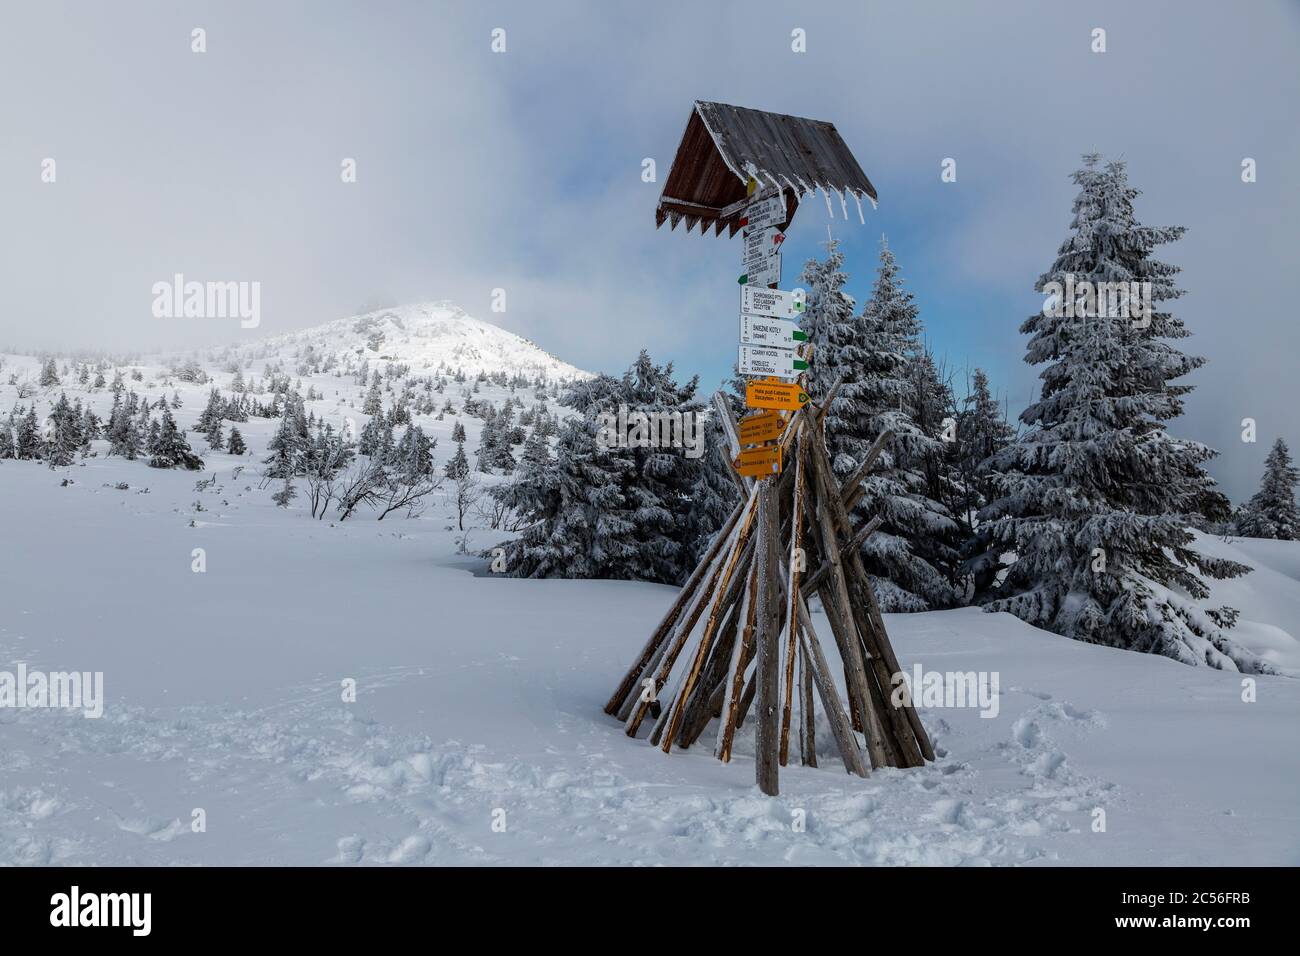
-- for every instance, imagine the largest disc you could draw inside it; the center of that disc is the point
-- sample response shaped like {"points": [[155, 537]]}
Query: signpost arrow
{"points": [[772, 393], [762, 360], [759, 462], [759, 330], [763, 427], [772, 302]]}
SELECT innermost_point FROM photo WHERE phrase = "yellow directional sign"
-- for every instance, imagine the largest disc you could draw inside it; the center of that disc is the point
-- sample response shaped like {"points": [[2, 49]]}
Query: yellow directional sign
{"points": [[773, 393], [760, 462], [765, 426]]}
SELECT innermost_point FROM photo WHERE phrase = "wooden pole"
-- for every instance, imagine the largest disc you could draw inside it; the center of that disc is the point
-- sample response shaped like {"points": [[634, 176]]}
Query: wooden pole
{"points": [[807, 715], [767, 675], [852, 490], [683, 631], [735, 683], [707, 639], [874, 636], [792, 596]]}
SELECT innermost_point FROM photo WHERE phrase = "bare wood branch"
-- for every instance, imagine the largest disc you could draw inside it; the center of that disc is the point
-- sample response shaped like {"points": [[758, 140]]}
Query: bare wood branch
{"points": [[706, 641], [852, 490], [792, 596], [731, 703], [726, 560], [670, 618], [908, 744], [814, 580]]}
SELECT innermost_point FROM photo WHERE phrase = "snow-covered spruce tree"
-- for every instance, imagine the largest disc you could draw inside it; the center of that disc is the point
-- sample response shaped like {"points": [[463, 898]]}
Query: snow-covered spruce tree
{"points": [[713, 494], [235, 443], [1271, 512], [579, 523], [1096, 496], [6, 440], [831, 328], [209, 420], [458, 466], [374, 403], [170, 449], [27, 437], [982, 432], [934, 409], [290, 444], [49, 373], [64, 435], [494, 453], [599, 509], [912, 556]]}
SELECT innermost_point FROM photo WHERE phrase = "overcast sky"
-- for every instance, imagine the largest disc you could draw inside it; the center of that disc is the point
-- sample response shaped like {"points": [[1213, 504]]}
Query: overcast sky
{"points": [[479, 170]]}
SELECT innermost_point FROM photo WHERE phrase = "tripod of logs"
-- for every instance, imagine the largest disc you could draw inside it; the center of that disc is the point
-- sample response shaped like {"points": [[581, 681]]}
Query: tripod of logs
{"points": [[741, 664]]}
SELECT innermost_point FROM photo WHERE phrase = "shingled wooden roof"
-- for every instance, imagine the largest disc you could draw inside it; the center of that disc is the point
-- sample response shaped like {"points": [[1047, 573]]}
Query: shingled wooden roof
{"points": [[724, 146]]}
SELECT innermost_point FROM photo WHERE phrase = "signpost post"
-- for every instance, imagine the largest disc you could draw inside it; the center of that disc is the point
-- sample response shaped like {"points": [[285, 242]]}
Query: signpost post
{"points": [[755, 579]]}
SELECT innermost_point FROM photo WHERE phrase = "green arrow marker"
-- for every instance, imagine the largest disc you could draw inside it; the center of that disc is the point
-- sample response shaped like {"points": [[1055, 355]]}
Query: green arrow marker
{"points": [[799, 336], [800, 365]]}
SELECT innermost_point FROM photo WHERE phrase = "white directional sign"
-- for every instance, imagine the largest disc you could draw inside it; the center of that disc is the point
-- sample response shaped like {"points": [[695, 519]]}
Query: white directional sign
{"points": [[756, 360], [760, 245], [772, 302], [760, 330], [766, 274], [763, 213], [760, 257]]}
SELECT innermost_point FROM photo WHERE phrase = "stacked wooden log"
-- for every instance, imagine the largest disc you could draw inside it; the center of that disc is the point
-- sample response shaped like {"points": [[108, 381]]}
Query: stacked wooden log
{"points": [[738, 643]]}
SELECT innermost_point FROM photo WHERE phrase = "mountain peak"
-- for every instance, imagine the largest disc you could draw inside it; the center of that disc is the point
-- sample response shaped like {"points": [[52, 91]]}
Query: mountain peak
{"points": [[425, 336]]}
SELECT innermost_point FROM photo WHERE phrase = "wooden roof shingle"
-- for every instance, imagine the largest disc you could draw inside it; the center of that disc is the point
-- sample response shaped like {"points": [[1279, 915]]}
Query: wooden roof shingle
{"points": [[724, 146]]}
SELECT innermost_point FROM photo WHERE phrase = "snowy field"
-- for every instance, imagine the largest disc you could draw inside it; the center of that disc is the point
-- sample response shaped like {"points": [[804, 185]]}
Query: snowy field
{"points": [[479, 700]]}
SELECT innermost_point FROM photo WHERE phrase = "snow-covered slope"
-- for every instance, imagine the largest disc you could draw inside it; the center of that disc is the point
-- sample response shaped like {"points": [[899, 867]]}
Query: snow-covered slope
{"points": [[1268, 598], [479, 700], [427, 336]]}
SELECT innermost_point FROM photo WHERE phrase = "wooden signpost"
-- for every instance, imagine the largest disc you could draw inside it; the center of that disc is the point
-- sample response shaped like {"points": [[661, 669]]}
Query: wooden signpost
{"points": [[738, 644], [763, 427], [759, 462], [773, 393]]}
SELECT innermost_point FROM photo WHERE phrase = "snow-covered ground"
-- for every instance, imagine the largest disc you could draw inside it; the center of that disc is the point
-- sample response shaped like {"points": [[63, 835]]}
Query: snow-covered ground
{"points": [[479, 701]]}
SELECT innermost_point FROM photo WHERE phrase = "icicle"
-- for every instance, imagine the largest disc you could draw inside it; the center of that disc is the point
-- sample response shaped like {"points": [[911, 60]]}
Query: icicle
{"points": [[830, 210], [857, 198], [844, 206]]}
